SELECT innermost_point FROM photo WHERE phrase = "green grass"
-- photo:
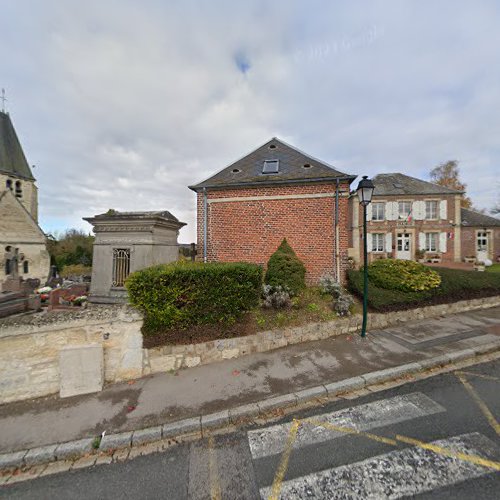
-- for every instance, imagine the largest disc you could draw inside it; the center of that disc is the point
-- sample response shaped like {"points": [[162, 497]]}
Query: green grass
{"points": [[495, 268]]}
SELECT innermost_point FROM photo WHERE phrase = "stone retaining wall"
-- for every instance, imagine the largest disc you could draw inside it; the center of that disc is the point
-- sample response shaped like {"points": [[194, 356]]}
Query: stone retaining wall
{"points": [[162, 359], [30, 348]]}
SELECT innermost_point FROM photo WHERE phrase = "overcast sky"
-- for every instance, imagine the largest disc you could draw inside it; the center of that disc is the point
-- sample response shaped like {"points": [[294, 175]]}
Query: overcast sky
{"points": [[122, 104]]}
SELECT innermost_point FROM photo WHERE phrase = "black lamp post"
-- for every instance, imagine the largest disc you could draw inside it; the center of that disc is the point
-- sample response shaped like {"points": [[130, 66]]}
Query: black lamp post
{"points": [[365, 192]]}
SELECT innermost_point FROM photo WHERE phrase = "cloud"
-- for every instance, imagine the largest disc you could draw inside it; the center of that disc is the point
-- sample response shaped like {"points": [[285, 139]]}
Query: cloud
{"points": [[122, 104]]}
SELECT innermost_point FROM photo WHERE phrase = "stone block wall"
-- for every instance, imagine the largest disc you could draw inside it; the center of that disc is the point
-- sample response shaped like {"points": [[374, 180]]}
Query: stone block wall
{"points": [[167, 358], [29, 351]]}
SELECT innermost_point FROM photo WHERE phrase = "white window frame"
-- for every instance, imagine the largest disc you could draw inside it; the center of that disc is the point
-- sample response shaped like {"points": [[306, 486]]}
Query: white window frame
{"points": [[432, 242], [482, 241], [404, 214], [378, 242], [377, 207], [428, 212]]}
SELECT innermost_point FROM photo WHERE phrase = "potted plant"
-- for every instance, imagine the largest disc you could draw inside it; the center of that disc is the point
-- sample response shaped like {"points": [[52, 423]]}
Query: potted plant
{"points": [[420, 255], [479, 266]]}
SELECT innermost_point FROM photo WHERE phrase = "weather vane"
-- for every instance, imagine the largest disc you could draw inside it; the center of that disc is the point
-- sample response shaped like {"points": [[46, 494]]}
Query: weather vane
{"points": [[3, 98]]}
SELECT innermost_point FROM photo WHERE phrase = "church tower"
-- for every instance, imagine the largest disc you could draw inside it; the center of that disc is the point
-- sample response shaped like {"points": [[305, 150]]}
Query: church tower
{"points": [[15, 173], [23, 250]]}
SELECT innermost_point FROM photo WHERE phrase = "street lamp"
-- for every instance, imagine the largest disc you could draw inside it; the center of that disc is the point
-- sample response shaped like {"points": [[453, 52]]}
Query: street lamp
{"points": [[365, 192]]}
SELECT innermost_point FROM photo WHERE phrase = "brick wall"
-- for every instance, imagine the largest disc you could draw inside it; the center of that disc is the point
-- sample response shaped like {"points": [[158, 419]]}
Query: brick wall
{"points": [[412, 227], [243, 228], [469, 243]]}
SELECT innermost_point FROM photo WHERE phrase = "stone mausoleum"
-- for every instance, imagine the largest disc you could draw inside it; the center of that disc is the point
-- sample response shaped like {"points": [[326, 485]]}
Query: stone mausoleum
{"points": [[126, 242]]}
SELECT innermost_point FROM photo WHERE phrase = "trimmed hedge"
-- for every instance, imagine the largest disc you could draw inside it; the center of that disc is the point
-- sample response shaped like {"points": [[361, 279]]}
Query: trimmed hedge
{"points": [[455, 285], [183, 294], [405, 275], [285, 269]]}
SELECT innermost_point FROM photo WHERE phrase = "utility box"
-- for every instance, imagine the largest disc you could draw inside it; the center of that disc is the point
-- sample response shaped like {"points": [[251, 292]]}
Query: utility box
{"points": [[126, 242]]}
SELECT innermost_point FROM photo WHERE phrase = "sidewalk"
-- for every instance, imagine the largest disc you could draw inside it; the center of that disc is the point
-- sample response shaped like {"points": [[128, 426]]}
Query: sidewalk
{"points": [[164, 398]]}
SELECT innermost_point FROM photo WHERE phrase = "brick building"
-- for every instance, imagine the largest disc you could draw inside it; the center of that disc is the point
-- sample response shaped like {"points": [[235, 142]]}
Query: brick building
{"points": [[275, 192], [406, 215], [480, 236]]}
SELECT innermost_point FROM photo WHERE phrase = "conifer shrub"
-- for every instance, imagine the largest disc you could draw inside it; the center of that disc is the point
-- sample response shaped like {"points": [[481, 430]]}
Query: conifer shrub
{"points": [[183, 294], [285, 269]]}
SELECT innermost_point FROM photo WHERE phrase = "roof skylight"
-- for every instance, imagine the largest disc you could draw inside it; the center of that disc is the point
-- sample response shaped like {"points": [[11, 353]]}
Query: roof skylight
{"points": [[271, 167]]}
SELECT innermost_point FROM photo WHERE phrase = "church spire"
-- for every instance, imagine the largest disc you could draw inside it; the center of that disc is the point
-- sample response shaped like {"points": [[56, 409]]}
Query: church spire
{"points": [[12, 159]]}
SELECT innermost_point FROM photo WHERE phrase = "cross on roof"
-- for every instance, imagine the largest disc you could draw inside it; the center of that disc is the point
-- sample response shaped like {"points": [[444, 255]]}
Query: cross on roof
{"points": [[3, 99]]}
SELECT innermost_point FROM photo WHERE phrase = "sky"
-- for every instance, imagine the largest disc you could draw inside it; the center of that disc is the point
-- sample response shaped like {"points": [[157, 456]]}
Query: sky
{"points": [[123, 103]]}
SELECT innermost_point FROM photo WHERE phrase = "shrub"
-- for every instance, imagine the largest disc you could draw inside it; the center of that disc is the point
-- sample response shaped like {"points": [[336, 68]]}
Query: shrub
{"points": [[276, 297], [330, 286], [343, 304], [455, 285], [404, 275], [184, 294], [286, 269], [342, 301]]}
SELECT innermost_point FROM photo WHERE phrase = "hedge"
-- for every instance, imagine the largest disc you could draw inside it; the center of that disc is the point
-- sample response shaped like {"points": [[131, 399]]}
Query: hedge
{"points": [[183, 294], [285, 269], [455, 285], [405, 275]]}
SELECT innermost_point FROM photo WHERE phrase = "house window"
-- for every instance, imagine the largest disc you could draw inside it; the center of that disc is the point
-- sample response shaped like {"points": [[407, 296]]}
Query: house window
{"points": [[378, 211], [8, 184], [26, 267], [121, 265], [378, 242], [404, 209], [431, 208], [431, 242], [482, 241]]}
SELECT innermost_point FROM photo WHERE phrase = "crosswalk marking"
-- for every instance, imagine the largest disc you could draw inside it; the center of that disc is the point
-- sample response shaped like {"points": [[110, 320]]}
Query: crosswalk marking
{"points": [[272, 440], [395, 474]]}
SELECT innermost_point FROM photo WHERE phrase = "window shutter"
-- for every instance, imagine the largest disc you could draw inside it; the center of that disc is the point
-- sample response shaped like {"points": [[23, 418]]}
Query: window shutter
{"points": [[418, 210], [388, 211], [443, 205], [442, 242], [369, 242], [391, 213], [421, 241], [368, 211], [388, 242]]}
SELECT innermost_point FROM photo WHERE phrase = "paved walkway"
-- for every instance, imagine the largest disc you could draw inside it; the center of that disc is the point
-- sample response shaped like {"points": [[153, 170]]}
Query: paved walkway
{"points": [[206, 389]]}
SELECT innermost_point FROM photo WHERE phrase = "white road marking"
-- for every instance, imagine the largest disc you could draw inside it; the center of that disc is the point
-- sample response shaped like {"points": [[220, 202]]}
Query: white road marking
{"points": [[272, 440], [393, 475]]}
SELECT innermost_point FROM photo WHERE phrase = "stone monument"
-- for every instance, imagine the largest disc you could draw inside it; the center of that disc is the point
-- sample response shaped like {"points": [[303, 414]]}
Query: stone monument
{"points": [[126, 242]]}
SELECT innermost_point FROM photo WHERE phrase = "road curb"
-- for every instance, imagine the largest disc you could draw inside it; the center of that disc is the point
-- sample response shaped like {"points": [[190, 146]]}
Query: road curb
{"points": [[206, 423]]}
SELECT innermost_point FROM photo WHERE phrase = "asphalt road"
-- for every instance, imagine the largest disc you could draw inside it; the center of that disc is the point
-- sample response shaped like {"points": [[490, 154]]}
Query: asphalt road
{"points": [[315, 454]]}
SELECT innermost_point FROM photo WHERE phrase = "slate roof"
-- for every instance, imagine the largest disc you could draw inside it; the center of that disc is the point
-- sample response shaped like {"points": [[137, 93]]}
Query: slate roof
{"points": [[401, 184], [12, 159], [476, 219], [247, 171]]}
